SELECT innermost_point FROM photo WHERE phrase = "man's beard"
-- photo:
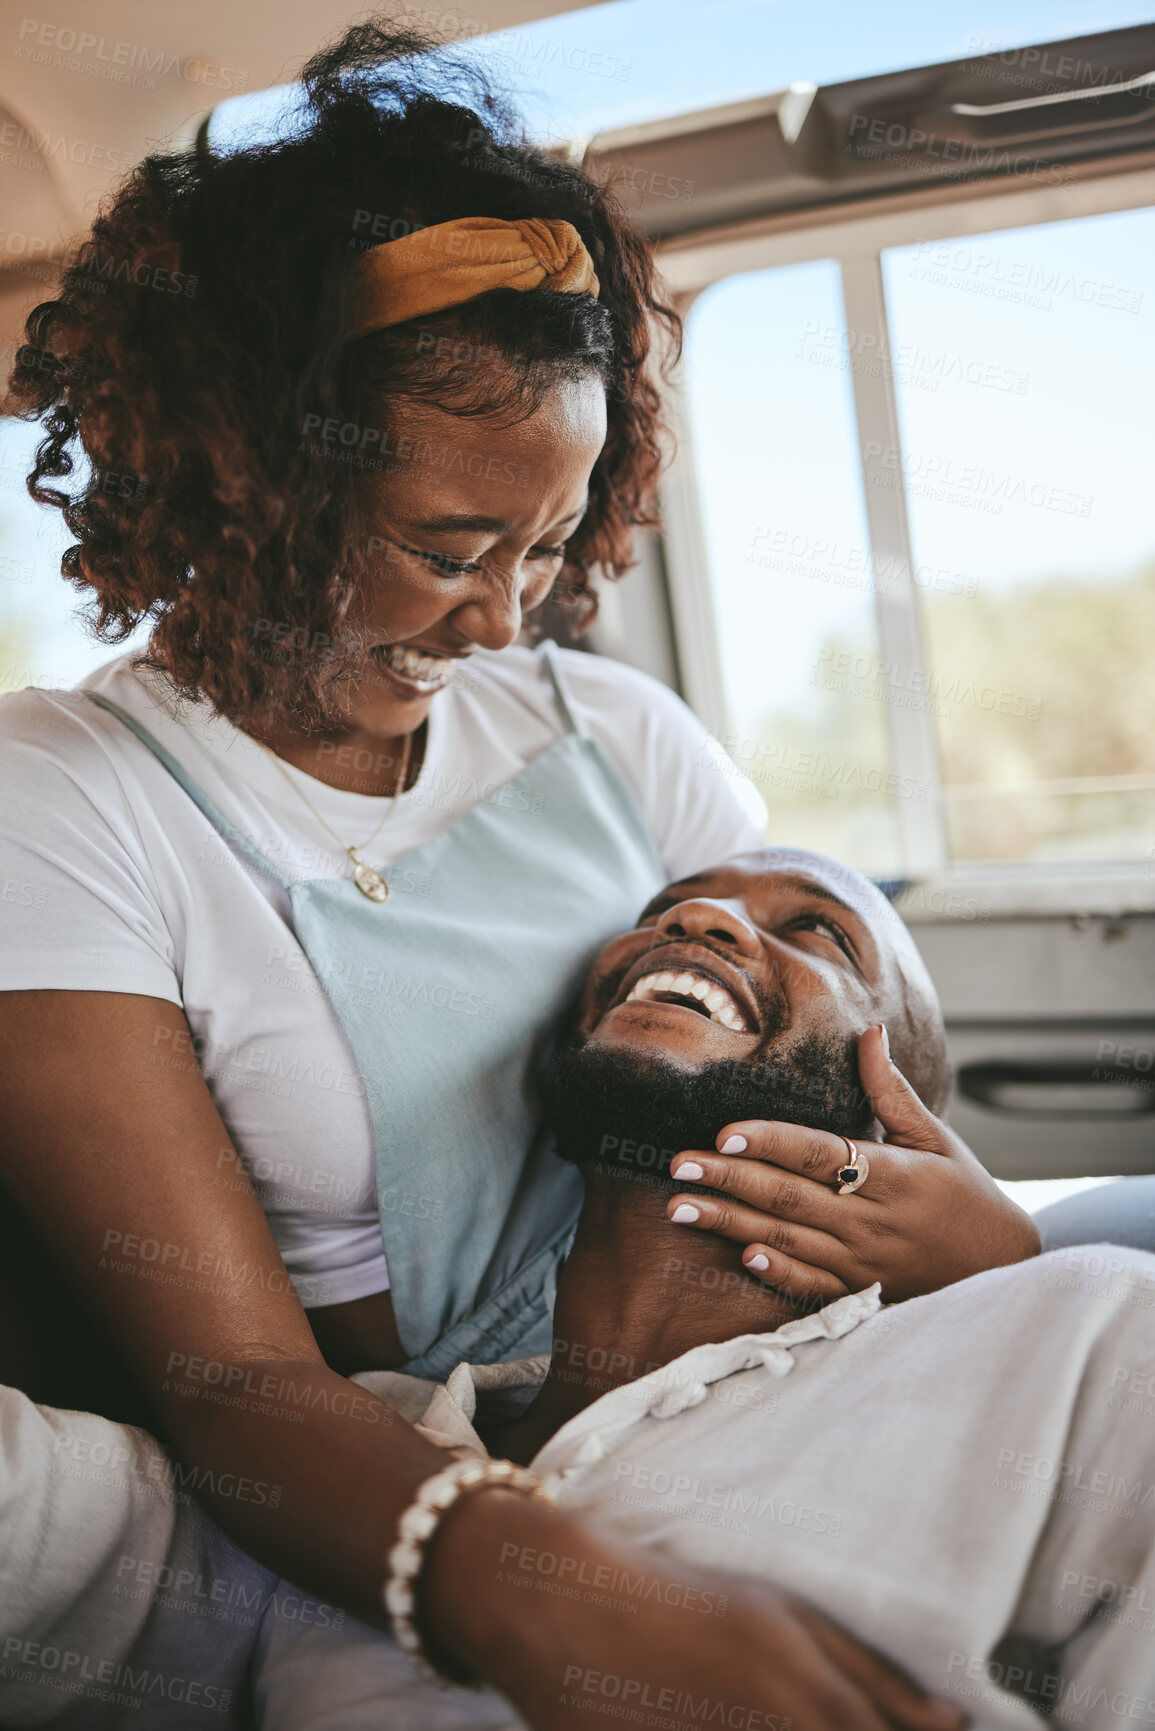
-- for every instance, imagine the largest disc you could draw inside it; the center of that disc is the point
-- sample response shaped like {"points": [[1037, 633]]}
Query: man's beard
{"points": [[613, 1107]]}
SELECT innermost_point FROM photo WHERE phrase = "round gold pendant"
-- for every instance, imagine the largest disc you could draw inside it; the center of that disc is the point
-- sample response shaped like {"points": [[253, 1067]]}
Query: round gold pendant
{"points": [[370, 882]]}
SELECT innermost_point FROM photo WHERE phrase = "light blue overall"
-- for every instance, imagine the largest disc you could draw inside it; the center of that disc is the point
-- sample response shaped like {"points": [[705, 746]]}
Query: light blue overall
{"points": [[523, 891]]}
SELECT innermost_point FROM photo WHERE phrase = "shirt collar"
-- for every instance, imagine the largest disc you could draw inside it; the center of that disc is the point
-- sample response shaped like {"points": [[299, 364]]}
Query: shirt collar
{"points": [[677, 1386]]}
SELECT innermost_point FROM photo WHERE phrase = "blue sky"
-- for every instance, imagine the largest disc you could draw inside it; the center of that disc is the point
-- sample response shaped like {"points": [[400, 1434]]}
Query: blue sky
{"points": [[635, 60]]}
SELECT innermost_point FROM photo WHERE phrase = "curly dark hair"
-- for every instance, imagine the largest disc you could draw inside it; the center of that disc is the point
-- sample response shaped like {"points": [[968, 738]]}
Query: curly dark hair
{"points": [[200, 326]]}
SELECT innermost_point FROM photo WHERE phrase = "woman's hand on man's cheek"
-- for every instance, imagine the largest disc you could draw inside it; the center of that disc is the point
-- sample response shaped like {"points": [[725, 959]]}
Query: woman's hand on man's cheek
{"points": [[926, 1215]]}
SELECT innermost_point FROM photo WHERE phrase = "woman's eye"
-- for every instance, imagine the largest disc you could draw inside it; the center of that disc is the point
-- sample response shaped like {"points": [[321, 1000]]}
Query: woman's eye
{"points": [[441, 562], [450, 567]]}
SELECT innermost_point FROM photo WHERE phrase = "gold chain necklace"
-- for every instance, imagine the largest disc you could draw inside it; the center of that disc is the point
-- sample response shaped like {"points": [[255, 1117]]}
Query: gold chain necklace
{"points": [[368, 880]]}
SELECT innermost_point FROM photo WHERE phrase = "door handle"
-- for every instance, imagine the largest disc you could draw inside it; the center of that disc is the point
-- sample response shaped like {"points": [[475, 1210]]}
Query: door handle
{"points": [[1053, 1088]]}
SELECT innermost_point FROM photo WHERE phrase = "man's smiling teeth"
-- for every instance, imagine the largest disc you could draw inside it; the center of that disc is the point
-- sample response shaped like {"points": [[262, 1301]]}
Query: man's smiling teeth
{"points": [[425, 669], [664, 987]]}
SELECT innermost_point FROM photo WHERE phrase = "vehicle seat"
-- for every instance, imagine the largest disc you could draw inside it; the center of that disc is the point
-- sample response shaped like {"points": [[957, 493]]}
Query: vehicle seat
{"points": [[1118, 1213]]}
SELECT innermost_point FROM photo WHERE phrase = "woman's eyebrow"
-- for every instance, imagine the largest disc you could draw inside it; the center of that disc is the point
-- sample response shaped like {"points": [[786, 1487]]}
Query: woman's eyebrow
{"points": [[451, 520], [462, 520]]}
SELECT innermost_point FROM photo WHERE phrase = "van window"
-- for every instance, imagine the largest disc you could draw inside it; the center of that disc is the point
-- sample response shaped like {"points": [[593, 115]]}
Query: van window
{"points": [[1022, 364], [775, 451]]}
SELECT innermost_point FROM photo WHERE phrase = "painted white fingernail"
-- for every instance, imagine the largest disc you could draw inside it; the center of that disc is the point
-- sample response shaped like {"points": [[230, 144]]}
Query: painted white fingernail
{"points": [[691, 1169], [733, 1145], [685, 1214], [759, 1261]]}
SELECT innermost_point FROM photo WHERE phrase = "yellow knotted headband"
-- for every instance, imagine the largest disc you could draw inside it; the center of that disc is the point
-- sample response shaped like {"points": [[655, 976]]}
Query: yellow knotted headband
{"points": [[452, 262]]}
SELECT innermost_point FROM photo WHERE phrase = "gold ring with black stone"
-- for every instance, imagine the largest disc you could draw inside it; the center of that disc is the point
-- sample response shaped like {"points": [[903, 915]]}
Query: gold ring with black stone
{"points": [[851, 1175]]}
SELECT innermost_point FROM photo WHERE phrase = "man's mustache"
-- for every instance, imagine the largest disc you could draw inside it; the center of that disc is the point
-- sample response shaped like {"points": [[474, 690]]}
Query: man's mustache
{"points": [[602, 1098], [771, 1001]]}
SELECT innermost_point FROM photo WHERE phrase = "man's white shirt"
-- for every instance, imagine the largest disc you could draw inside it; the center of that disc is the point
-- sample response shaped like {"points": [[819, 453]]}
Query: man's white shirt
{"points": [[935, 1476]]}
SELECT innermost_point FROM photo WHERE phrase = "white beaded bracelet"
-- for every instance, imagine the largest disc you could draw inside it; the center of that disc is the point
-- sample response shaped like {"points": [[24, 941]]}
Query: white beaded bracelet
{"points": [[414, 1531]]}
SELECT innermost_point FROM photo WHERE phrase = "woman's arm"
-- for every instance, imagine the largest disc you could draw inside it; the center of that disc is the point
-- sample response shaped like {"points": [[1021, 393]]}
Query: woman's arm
{"points": [[115, 1158], [118, 1157]]}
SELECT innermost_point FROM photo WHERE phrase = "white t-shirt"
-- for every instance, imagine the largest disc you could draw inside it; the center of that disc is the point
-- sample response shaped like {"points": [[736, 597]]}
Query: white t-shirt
{"points": [[113, 880]]}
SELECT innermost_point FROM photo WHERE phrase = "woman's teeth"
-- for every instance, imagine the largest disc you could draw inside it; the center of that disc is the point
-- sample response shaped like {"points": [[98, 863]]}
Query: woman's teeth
{"points": [[695, 993], [422, 669]]}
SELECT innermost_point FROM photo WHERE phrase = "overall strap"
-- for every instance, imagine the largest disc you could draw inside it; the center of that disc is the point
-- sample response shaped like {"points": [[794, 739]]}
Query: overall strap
{"points": [[247, 849], [559, 691]]}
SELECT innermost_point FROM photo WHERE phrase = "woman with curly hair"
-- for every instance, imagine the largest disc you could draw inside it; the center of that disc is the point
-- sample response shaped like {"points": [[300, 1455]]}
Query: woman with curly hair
{"points": [[311, 876]]}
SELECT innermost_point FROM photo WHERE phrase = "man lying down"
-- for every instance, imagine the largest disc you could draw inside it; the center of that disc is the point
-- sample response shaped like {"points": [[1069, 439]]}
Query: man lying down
{"points": [[964, 1481]]}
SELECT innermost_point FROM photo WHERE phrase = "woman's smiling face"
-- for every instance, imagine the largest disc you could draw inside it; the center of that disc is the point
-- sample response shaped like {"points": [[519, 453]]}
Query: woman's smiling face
{"points": [[468, 531]]}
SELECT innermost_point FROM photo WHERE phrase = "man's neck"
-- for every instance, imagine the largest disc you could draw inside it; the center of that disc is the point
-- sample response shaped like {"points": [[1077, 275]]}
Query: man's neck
{"points": [[635, 1293]]}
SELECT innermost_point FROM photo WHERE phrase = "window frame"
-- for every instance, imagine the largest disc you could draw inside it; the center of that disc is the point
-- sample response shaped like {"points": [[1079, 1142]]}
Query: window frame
{"points": [[855, 236]]}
